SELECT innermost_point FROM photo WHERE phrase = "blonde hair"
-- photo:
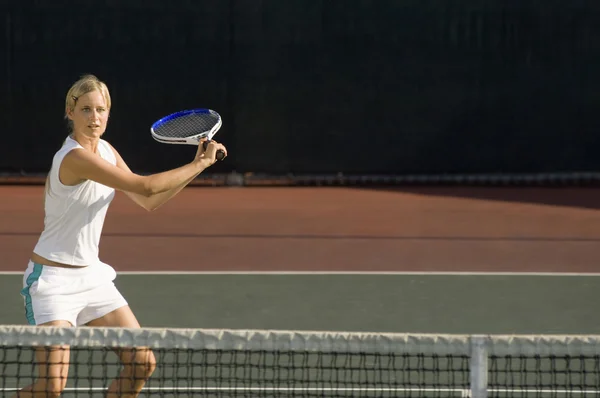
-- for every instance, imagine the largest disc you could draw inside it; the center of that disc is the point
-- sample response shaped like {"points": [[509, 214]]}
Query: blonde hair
{"points": [[86, 84]]}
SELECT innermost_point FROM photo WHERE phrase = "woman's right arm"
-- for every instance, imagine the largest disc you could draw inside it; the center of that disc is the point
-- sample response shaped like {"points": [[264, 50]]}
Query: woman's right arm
{"points": [[83, 165]]}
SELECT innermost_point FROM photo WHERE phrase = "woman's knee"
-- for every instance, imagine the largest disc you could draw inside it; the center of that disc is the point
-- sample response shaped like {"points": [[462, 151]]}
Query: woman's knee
{"points": [[53, 371], [150, 362], [142, 363]]}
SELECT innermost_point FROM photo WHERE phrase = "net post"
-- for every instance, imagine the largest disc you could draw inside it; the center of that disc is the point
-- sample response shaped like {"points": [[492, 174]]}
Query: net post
{"points": [[478, 367]]}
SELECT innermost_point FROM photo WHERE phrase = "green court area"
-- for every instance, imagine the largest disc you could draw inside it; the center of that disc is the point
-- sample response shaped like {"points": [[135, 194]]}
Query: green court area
{"points": [[406, 303]]}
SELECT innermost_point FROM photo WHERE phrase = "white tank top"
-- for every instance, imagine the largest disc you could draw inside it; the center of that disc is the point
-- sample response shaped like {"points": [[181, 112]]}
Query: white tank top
{"points": [[74, 214]]}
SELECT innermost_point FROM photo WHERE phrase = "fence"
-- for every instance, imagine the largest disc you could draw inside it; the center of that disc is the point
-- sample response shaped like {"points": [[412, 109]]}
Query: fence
{"points": [[317, 91]]}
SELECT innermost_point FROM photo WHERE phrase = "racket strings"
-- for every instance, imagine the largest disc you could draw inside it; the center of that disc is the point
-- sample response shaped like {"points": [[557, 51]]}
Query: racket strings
{"points": [[186, 126]]}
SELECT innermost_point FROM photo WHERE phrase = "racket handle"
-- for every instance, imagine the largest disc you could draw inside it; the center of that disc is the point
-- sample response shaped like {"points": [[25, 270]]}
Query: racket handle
{"points": [[220, 152]]}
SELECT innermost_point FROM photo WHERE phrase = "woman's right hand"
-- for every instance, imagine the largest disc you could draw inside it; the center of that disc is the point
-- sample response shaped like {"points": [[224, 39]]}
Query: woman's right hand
{"points": [[209, 156]]}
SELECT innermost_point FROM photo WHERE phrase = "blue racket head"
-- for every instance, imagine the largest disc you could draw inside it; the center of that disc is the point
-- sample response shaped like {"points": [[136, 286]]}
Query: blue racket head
{"points": [[186, 127]]}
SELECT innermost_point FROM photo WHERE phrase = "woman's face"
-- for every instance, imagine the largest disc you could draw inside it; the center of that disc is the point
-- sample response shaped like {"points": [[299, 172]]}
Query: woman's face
{"points": [[89, 115]]}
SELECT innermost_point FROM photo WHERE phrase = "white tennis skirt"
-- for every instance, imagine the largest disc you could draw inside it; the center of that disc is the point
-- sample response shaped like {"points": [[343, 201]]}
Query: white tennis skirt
{"points": [[75, 295]]}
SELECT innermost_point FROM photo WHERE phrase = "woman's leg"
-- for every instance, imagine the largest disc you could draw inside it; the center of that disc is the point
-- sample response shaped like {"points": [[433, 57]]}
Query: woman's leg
{"points": [[53, 369], [138, 362]]}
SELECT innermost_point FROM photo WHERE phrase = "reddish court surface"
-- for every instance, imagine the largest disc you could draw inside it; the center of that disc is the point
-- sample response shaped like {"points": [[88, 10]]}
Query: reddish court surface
{"points": [[337, 229]]}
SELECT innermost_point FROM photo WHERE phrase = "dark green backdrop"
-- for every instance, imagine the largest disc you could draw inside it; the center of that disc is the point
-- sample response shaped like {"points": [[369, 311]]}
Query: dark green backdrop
{"points": [[315, 86]]}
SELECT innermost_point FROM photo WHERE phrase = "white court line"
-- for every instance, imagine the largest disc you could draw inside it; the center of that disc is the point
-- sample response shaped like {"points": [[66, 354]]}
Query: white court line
{"points": [[361, 273]]}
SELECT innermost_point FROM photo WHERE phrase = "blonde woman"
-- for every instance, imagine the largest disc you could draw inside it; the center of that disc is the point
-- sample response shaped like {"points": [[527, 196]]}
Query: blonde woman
{"points": [[65, 283]]}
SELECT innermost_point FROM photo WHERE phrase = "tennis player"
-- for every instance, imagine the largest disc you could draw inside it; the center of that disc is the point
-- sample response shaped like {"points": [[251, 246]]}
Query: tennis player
{"points": [[65, 283]]}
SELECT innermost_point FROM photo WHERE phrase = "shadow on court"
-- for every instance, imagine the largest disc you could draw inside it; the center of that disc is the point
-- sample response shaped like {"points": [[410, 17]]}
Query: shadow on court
{"points": [[587, 198]]}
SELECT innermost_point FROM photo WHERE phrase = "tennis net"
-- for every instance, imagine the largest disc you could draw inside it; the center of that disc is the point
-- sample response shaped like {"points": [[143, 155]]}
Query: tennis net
{"points": [[267, 363]]}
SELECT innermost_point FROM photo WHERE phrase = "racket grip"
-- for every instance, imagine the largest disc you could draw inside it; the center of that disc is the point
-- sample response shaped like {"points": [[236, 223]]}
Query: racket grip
{"points": [[220, 152]]}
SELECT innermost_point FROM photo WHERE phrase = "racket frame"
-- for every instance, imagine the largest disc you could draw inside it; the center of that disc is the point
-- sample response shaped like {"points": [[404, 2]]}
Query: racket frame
{"points": [[193, 139]]}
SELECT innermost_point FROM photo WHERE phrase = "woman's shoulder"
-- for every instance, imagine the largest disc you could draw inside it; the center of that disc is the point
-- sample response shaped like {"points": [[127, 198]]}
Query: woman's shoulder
{"points": [[108, 152], [67, 145]]}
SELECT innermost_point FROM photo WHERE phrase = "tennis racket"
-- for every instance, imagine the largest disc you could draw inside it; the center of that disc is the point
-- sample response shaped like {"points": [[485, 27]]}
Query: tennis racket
{"points": [[188, 128]]}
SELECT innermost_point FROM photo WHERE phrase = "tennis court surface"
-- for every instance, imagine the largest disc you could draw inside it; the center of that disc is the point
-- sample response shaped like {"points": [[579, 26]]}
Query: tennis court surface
{"points": [[459, 261]]}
